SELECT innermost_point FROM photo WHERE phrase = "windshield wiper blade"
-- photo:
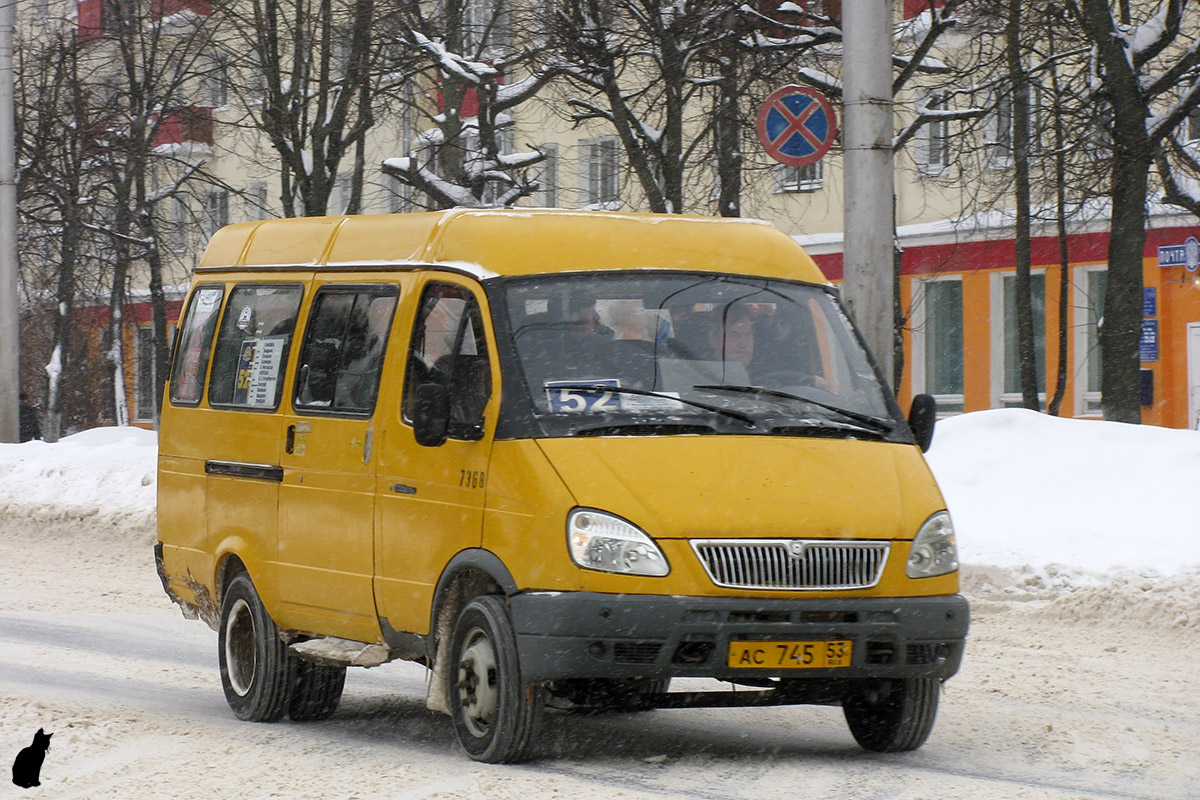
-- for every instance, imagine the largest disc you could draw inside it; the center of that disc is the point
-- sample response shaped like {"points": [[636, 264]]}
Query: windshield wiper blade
{"points": [[876, 423], [647, 429], [604, 387]]}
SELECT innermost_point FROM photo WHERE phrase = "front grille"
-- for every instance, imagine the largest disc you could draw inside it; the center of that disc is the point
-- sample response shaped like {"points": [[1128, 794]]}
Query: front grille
{"points": [[795, 564]]}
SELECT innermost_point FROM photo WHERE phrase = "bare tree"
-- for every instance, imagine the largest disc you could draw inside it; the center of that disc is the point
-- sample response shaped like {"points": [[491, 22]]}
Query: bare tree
{"points": [[1146, 72], [307, 74], [53, 190], [470, 71]]}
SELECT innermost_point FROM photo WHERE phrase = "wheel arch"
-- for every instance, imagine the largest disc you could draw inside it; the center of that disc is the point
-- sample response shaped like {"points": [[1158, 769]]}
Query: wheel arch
{"points": [[469, 574]]}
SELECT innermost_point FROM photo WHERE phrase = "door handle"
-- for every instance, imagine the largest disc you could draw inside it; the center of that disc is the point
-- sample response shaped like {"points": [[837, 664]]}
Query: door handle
{"points": [[290, 445]]}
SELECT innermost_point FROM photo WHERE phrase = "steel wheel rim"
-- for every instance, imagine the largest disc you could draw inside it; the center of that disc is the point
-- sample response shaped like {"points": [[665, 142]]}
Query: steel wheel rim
{"points": [[478, 674], [241, 654]]}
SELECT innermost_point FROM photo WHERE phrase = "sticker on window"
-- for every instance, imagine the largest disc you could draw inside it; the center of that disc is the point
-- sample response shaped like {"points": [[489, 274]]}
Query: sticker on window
{"points": [[258, 371], [566, 397], [207, 300]]}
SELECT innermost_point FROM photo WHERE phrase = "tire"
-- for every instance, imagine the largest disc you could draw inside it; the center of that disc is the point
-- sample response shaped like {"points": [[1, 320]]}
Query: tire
{"points": [[316, 690], [256, 670], [892, 715], [496, 716]]}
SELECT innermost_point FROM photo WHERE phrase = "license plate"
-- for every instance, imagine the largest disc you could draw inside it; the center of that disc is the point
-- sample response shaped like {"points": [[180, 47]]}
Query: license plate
{"points": [[790, 655]]}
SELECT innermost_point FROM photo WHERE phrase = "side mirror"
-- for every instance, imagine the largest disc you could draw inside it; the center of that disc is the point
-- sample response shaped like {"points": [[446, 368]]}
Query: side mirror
{"points": [[921, 418], [431, 414]]}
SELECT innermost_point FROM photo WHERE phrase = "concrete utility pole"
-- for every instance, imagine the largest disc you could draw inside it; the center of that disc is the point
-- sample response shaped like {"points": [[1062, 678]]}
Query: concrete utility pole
{"points": [[867, 136], [10, 373]]}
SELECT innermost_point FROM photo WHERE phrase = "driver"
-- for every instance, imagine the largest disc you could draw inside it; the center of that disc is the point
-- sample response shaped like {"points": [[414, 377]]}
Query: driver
{"points": [[736, 341]]}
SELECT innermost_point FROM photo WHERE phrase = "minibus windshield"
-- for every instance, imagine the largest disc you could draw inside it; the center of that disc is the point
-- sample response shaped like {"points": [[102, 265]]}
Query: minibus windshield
{"points": [[652, 352]]}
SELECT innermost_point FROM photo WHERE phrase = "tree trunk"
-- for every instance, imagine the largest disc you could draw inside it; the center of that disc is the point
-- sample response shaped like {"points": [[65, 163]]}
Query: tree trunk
{"points": [[1122, 329], [1064, 274], [1131, 160], [65, 292], [1019, 85], [727, 140]]}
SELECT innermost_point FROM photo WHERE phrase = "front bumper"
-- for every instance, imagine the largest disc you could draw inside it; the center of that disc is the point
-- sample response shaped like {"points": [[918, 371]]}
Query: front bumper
{"points": [[590, 635]]}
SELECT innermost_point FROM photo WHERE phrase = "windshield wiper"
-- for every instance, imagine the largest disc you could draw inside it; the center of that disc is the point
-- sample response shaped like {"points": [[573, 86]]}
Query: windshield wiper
{"points": [[875, 423], [604, 387], [647, 429]]}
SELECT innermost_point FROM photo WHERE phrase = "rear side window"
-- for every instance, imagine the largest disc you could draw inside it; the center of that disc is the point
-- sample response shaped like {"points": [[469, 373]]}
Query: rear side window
{"points": [[253, 345], [343, 351], [195, 345]]}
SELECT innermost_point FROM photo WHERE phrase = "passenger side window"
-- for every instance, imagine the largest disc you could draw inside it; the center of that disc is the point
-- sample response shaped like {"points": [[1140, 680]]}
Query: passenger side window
{"points": [[343, 351], [448, 347], [253, 345], [195, 345]]}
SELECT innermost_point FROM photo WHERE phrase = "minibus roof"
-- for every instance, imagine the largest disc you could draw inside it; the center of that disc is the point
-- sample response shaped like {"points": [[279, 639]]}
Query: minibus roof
{"points": [[502, 242]]}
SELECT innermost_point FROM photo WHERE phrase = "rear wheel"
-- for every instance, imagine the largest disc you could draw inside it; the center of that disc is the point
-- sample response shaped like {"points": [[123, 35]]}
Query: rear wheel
{"points": [[255, 665], [316, 690], [495, 714], [892, 715]]}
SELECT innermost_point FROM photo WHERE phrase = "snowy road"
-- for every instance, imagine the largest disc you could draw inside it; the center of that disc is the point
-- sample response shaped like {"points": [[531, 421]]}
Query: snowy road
{"points": [[1093, 695]]}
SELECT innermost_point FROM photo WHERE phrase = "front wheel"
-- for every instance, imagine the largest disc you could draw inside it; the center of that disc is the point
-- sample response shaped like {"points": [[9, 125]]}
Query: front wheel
{"points": [[255, 667], [495, 714], [892, 715]]}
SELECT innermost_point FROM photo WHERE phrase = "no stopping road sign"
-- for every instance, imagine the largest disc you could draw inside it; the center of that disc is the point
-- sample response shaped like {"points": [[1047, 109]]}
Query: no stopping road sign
{"points": [[796, 125]]}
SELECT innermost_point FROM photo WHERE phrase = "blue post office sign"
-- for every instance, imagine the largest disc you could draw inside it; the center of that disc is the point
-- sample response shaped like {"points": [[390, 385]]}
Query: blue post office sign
{"points": [[1149, 301], [1181, 255]]}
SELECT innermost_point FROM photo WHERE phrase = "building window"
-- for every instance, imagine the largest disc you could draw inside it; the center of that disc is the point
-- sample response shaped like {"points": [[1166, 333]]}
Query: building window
{"points": [[216, 81], [179, 223], [339, 195], [1193, 125], [938, 342], [547, 177], [485, 26], [144, 401], [936, 139], [399, 196], [999, 131], [216, 211], [256, 201], [808, 178], [256, 81], [1089, 311], [599, 171], [1008, 365]]}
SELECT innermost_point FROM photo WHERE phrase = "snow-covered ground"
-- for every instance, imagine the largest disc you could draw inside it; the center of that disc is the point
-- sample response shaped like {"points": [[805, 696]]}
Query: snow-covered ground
{"points": [[1081, 558]]}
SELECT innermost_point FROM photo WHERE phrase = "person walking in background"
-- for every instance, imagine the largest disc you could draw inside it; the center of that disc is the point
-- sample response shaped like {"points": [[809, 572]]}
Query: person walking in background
{"points": [[28, 421]]}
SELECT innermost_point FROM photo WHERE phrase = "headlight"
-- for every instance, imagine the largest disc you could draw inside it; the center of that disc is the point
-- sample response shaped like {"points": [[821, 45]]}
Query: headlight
{"points": [[934, 551], [607, 543]]}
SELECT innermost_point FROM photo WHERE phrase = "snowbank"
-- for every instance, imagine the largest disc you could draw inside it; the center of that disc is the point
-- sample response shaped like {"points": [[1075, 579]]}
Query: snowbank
{"points": [[1026, 489], [108, 471]]}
